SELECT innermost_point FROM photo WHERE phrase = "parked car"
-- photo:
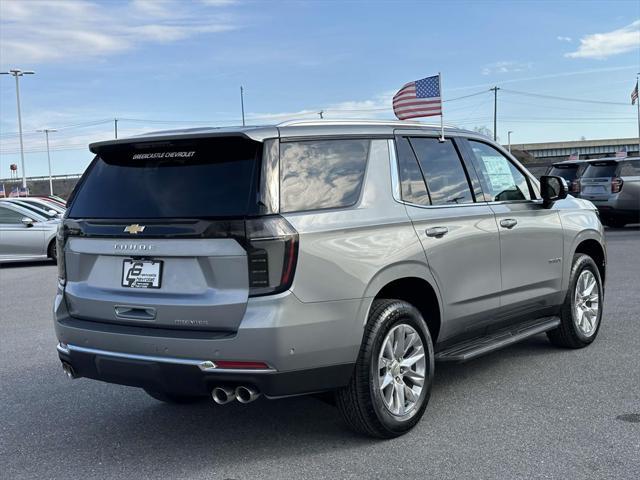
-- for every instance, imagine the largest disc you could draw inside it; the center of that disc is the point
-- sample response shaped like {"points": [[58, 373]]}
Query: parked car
{"points": [[25, 234], [613, 185], [49, 207], [37, 209], [571, 171], [307, 257]]}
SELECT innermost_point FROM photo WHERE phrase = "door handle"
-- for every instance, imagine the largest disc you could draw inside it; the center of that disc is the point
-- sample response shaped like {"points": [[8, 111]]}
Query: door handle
{"points": [[508, 222], [436, 232]]}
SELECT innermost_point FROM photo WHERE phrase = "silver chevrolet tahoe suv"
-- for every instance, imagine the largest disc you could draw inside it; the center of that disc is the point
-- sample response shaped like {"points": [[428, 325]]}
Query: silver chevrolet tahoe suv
{"points": [[310, 257]]}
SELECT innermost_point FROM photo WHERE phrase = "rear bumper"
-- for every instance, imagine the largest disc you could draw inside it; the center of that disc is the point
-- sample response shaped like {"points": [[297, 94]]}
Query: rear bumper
{"points": [[309, 347], [194, 377]]}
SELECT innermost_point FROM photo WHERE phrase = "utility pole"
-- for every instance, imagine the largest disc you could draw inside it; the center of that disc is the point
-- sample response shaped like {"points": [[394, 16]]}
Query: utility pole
{"points": [[509, 139], [638, 107], [321, 113], [17, 73], [242, 103], [495, 112], [115, 127], [46, 135]]}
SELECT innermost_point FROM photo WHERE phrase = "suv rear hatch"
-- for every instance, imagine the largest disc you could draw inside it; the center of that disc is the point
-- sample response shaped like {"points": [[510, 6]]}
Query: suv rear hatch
{"points": [[173, 234], [596, 180]]}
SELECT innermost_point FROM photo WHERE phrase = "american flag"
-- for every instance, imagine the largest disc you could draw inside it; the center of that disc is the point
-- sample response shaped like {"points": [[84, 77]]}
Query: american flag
{"points": [[15, 192], [634, 95], [2, 191], [622, 153], [418, 99], [574, 156]]}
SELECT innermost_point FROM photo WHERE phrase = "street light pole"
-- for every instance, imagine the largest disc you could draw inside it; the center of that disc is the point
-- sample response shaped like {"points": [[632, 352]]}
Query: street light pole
{"points": [[17, 73], [46, 135], [509, 139]]}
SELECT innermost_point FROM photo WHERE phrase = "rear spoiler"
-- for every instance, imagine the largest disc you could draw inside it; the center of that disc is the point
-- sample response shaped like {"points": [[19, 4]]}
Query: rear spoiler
{"points": [[258, 134]]}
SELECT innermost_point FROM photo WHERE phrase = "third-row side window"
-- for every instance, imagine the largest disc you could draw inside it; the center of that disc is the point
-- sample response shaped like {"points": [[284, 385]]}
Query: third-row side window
{"points": [[320, 174]]}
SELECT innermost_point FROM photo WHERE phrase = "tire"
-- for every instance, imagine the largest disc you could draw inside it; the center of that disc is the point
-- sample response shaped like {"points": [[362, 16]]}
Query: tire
{"points": [[52, 251], [362, 403], [571, 333], [173, 398]]}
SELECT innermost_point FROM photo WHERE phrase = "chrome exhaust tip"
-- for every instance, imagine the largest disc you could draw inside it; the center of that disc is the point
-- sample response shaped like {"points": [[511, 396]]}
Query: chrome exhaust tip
{"points": [[246, 394], [222, 395], [68, 370]]}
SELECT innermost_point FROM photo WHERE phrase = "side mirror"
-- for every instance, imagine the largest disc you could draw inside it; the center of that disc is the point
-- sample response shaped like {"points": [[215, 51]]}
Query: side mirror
{"points": [[552, 188], [27, 222]]}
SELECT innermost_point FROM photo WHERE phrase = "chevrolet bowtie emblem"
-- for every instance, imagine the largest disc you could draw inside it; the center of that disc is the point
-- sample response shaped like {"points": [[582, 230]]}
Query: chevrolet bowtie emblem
{"points": [[134, 229]]}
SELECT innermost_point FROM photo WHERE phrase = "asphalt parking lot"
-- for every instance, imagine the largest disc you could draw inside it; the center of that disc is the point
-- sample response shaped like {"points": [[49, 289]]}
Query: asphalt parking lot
{"points": [[530, 411]]}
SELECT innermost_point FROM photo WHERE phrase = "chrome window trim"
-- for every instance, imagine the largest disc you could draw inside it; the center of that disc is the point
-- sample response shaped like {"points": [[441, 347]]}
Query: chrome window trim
{"points": [[204, 365], [395, 175]]}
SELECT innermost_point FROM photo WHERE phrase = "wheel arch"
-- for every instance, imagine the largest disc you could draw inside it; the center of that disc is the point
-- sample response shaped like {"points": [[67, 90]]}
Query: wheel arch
{"points": [[412, 283], [593, 248]]}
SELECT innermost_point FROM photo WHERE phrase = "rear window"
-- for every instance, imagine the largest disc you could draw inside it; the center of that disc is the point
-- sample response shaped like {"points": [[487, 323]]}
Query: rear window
{"points": [[320, 174], [568, 172], [595, 170], [204, 178]]}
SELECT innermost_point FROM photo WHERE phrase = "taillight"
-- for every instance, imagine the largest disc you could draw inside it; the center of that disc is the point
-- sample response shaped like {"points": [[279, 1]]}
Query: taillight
{"points": [[616, 184], [61, 240], [272, 254], [66, 229], [575, 186]]}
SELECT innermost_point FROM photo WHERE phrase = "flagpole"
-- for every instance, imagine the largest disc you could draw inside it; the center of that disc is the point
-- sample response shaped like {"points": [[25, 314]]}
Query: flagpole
{"points": [[441, 108], [638, 109]]}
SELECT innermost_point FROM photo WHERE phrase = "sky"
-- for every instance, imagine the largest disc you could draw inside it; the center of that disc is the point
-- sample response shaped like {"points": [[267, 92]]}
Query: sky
{"points": [[156, 64]]}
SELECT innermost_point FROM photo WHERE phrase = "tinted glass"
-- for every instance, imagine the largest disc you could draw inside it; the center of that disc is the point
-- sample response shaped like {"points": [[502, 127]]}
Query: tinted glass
{"points": [[321, 174], [187, 179], [569, 172], [595, 170], [412, 185], [500, 178], [442, 169], [630, 169], [35, 208], [10, 216]]}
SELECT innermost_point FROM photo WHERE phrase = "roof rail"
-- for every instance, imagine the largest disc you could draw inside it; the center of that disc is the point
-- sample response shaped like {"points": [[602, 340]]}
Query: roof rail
{"points": [[399, 123]]}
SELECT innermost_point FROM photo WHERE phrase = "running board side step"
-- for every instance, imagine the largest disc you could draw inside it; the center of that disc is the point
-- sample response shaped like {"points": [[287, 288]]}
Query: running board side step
{"points": [[479, 346]]}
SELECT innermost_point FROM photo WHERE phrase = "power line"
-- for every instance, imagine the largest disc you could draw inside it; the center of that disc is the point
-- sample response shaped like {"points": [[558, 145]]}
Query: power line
{"points": [[566, 99]]}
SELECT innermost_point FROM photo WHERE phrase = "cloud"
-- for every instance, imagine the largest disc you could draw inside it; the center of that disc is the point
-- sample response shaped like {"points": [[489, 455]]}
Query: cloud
{"points": [[603, 45], [506, 67], [564, 39], [49, 30]]}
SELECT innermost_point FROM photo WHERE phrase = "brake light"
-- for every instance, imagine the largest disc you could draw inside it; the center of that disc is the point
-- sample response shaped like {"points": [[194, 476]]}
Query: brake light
{"points": [[575, 186], [61, 241], [66, 229], [272, 254], [616, 184]]}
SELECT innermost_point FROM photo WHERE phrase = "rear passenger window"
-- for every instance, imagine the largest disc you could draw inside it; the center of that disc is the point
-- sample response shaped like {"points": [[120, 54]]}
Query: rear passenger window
{"points": [[411, 181], [500, 178], [443, 171], [321, 174], [630, 169]]}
